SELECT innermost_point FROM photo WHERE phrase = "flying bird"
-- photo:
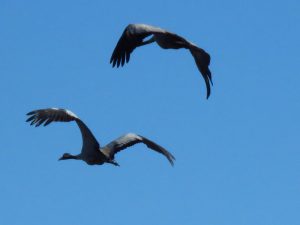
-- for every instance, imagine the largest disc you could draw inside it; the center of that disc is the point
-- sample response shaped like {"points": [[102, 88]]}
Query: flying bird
{"points": [[91, 151], [134, 35]]}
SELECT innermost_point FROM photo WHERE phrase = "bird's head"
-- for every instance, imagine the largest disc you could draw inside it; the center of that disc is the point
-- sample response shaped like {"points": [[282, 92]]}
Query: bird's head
{"points": [[67, 156]]}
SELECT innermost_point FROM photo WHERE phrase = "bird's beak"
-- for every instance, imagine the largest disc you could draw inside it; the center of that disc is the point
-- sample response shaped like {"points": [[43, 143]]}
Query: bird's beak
{"points": [[60, 158]]}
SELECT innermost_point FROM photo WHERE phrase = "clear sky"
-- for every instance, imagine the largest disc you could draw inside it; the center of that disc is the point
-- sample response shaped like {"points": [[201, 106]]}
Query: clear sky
{"points": [[237, 154]]}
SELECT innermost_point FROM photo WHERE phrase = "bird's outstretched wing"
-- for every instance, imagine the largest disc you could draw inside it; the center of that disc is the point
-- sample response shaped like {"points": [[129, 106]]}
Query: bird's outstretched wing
{"points": [[202, 60], [130, 139], [131, 38], [46, 116]]}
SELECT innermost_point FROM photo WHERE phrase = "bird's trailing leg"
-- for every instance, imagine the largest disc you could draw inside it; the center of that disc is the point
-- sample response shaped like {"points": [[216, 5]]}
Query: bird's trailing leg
{"points": [[113, 162]]}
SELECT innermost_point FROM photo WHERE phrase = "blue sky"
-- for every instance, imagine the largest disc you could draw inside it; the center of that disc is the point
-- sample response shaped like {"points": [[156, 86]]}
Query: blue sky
{"points": [[237, 154]]}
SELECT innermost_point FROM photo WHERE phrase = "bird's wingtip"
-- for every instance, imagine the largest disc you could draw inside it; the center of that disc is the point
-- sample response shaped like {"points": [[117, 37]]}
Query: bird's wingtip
{"points": [[172, 163], [171, 159], [30, 113]]}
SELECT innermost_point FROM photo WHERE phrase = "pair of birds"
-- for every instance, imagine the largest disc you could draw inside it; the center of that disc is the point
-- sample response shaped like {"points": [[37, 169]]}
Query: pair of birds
{"points": [[132, 37]]}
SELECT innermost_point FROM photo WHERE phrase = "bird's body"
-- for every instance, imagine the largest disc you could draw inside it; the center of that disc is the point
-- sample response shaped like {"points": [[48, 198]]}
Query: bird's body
{"points": [[134, 35], [91, 151], [165, 42]]}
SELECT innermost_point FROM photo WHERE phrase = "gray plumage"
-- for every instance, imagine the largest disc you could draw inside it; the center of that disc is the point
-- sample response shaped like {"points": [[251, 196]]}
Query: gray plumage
{"points": [[133, 37], [91, 151]]}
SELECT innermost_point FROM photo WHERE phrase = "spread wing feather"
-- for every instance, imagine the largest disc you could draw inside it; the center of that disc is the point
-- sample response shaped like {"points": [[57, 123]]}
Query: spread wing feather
{"points": [[202, 60], [131, 38], [130, 139], [46, 116]]}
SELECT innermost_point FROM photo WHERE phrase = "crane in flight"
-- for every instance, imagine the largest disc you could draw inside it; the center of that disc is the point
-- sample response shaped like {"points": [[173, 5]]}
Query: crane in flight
{"points": [[134, 35], [91, 151]]}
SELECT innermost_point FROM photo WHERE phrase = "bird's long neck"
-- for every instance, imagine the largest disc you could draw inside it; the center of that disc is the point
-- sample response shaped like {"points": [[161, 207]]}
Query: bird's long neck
{"points": [[74, 157], [69, 156]]}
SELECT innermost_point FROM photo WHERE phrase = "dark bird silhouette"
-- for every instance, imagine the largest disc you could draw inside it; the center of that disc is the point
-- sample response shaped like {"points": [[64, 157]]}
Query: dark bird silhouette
{"points": [[133, 37], [91, 151]]}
